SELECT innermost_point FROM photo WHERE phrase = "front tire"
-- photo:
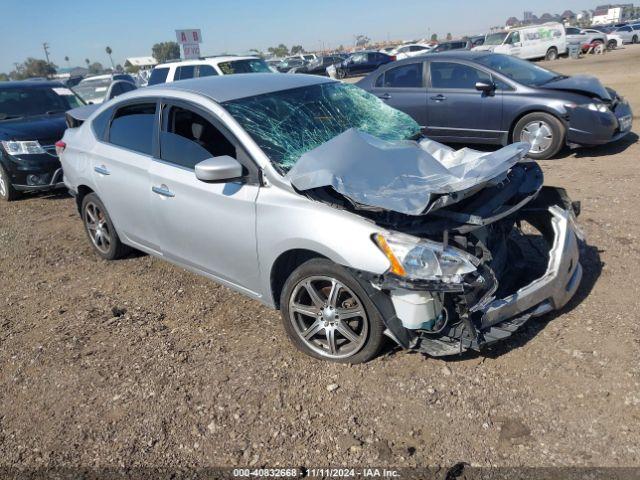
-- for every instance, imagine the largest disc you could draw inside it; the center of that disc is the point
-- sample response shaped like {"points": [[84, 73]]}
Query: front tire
{"points": [[552, 54], [7, 192], [544, 132], [341, 73], [611, 45], [100, 230], [328, 315]]}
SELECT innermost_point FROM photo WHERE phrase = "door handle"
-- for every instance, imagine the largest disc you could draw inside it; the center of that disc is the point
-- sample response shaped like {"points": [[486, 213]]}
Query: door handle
{"points": [[385, 96], [163, 190], [439, 98], [102, 170]]}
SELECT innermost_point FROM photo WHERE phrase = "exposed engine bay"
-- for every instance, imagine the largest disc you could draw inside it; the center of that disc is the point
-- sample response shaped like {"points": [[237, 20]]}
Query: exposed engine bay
{"points": [[518, 239]]}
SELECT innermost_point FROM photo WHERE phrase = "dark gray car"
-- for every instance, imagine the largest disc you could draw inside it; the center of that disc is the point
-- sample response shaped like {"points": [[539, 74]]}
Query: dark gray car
{"points": [[480, 97]]}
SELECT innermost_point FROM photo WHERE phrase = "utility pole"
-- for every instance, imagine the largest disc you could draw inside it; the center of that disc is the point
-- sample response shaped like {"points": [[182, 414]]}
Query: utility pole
{"points": [[45, 46]]}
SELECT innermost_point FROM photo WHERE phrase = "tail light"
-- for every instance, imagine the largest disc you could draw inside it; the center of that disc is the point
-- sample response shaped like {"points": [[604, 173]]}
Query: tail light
{"points": [[60, 146], [393, 58]]}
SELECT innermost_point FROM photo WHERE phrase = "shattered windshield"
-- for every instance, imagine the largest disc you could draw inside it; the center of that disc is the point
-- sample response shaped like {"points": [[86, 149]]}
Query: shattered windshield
{"points": [[289, 123]]}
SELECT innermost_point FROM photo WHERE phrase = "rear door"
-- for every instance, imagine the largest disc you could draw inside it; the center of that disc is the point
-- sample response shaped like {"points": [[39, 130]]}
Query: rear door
{"points": [[403, 87], [121, 165], [208, 227], [456, 111]]}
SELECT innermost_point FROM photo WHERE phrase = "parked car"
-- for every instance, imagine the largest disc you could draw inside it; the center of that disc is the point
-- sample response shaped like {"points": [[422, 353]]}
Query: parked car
{"points": [[356, 255], [585, 37], [31, 121], [100, 88], [547, 41], [628, 34], [288, 64], [477, 40], [453, 45], [206, 67], [411, 50], [613, 41], [359, 63], [481, 97], [318, 66]]}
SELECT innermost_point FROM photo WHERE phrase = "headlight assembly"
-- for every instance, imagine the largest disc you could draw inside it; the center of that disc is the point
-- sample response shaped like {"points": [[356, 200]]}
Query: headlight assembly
{"points": [[420, 259], [598, 107], [28, 147]]}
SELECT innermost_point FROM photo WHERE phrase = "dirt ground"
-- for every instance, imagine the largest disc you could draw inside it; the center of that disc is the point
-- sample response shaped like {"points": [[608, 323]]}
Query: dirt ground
{"points": [[139, 363]]}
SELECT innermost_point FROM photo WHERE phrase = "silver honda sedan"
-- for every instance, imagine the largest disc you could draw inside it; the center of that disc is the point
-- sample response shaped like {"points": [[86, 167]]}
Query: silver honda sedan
{"points": [[315, 198]]}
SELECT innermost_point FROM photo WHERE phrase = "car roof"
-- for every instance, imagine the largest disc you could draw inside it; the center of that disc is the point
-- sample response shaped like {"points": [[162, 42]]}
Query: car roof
{"points": [[207, 60], [223, 88], [30, 83]]}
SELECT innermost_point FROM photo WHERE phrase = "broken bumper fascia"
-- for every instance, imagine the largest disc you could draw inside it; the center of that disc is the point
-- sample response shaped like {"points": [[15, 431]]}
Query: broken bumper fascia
{"points": [[488, 320]]}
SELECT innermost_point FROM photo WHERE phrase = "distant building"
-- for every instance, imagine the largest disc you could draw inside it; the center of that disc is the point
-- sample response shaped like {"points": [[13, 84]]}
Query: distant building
{"points": [[142, 63], [528, 17], [605, 14], [512, 22]]}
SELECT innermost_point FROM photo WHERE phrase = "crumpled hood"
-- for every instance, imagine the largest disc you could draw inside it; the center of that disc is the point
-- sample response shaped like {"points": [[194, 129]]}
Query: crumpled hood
{"points": [[403, 176], [584, 84]]}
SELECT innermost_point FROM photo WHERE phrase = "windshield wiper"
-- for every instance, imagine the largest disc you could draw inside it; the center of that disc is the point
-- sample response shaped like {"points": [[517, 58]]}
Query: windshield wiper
{"points": [[51, 112], [554, 79]]}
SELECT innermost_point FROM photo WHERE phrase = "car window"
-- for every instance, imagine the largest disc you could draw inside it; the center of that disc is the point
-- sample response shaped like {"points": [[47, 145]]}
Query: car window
{"points": [[251, 65], [373, 57], [158, 75], [206, 71], [31, 101], [404, 49], [456, 75], [513, 38], [100, 123], [132, 127], [379, 81], [404, 76], [188, 138], [359, 58], [185, 72], [572, 31]]}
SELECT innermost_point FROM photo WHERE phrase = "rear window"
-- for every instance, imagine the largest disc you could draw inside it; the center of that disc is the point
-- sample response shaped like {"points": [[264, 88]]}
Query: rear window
{"points": [[158, 75], [132, 127], [185, 72], [245, 66], [206, 71]]}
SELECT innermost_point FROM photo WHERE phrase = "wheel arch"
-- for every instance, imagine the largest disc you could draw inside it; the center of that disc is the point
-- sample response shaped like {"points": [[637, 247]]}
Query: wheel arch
{"points": [[286, 263], [82, 191]]}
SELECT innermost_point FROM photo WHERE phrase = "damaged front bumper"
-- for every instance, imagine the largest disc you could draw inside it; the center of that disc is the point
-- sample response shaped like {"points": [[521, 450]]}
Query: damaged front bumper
{"points": [[481, 318]]}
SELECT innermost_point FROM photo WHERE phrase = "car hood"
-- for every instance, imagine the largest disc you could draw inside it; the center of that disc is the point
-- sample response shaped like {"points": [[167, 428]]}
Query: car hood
{"points": [[44, 128], [409, 177], [583, 84]]}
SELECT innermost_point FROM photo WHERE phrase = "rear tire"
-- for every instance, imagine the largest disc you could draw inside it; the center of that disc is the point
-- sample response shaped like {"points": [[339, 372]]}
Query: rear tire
{"points": [[100, 230], [634, 40], [611, 45], [552, 54], [328, 315], [341, 73], [543, 131], [7, 192]]}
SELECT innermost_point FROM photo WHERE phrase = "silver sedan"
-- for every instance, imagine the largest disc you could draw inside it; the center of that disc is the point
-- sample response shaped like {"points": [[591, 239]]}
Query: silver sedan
{"points": [[316, 198]]}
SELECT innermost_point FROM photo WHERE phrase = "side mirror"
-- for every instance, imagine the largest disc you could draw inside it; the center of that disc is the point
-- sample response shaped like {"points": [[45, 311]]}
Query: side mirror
{"points": [[218, 169], [486, 87]]}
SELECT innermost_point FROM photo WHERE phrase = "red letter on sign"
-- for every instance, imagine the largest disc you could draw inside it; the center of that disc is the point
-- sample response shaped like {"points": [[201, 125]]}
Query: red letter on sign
{"points": [[184, 37], [195, 36]]}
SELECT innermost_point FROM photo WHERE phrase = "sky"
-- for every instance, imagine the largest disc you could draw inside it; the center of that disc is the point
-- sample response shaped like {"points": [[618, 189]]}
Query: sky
{"points": [[82, 29]]}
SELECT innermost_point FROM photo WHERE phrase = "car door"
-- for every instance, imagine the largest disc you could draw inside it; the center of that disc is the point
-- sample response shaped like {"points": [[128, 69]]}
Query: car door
{"points": [[208, 227], [456, 111], [357, 64], [120, 163], [403, 87]]}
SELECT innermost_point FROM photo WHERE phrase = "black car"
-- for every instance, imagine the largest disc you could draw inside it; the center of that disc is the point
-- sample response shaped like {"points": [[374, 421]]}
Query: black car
{"points": [[481, 97], [319, 65], [361, 63], [289, 63], [32, 120]]}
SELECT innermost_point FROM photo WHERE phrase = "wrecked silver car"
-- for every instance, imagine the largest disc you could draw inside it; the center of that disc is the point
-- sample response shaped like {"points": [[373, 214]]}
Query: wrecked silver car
{"points": [[318, 199]]}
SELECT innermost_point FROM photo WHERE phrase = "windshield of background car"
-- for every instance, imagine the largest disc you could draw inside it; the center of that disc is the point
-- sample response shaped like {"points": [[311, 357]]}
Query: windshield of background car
{"points": [[287, 124], [30, 101], [519, 70], [93, 90], [244, 66], [495, 38]]}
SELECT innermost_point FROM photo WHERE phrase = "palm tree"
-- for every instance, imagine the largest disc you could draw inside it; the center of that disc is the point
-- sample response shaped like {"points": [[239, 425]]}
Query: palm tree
{"points": [[109, 51], [87, 61], [66, 59]]}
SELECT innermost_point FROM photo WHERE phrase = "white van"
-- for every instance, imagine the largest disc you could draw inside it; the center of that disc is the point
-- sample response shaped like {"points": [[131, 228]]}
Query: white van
{"points": [[547, 41]]}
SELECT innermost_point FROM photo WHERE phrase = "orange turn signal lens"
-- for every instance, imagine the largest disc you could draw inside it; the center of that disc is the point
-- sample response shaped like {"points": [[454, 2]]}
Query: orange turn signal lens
{"points": [[396, 266]]}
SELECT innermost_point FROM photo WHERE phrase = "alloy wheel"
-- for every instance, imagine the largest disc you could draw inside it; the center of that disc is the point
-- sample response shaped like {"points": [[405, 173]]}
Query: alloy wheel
{"points": [[538, 134], [328, 317], [98, 227], [3, 186]]}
